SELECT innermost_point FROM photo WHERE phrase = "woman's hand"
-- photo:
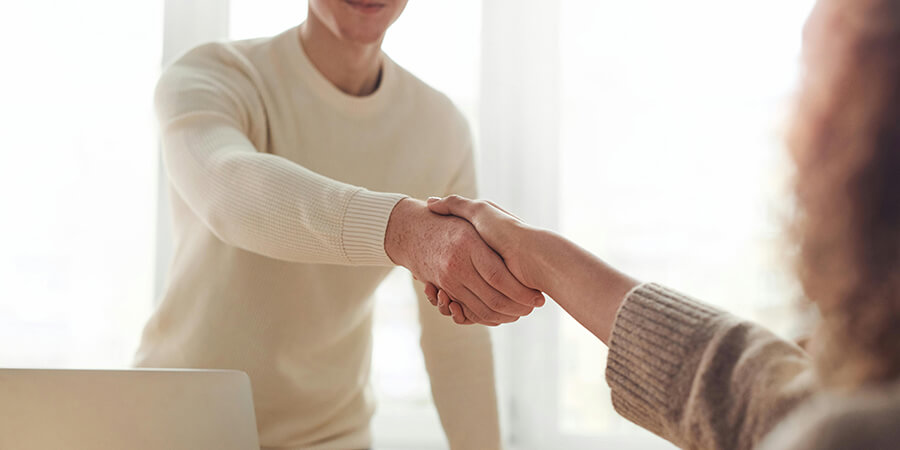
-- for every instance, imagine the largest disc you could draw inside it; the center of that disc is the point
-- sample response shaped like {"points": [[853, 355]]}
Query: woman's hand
{"points": [[502, 231]]}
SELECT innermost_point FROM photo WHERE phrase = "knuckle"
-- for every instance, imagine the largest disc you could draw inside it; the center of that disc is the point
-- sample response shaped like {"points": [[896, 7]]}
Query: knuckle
{"points": [[462, 235], [446, 267], [443, 270], [457, 251]]}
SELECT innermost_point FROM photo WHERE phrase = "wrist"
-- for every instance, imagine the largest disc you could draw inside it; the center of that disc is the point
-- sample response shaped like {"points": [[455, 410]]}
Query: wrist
{"points": [[399, 232], [549, 253], [588, 288]]}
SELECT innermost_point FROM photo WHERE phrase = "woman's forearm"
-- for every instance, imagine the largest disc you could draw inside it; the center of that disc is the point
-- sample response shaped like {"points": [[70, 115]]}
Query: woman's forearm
{"points": [[588, 289]]}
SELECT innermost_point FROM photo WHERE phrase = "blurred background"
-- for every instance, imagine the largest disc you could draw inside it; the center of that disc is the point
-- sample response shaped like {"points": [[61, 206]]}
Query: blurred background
{"points": [[648, 131]]}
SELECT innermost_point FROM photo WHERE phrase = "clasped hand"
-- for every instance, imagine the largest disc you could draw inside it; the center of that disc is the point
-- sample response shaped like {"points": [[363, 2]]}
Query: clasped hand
{"points": [[448, 252], [483, 278]]}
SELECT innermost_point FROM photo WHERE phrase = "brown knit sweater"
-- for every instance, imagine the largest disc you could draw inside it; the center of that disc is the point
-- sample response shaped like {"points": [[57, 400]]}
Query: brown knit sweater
{"points": [[704, 379]]}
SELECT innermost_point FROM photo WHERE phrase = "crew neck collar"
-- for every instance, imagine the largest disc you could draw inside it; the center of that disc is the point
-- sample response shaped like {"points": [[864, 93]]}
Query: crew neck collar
{"points": [[328, 92]]}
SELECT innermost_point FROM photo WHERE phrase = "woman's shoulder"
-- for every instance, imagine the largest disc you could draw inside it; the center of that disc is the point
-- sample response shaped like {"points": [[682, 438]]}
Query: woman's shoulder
{"points": [[868, 419]]}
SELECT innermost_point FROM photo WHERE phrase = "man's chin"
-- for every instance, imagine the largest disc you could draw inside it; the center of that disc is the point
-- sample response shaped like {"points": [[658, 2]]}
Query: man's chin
{"points": [[364, 38], [363, 34]]}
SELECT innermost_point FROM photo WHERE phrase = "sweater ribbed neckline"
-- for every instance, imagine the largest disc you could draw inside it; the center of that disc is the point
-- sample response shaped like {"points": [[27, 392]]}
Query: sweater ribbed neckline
{"points": [[298, 60]]}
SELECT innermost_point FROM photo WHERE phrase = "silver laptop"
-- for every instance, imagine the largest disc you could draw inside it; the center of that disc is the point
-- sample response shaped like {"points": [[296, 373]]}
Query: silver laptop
{"points": [[140, 409]]}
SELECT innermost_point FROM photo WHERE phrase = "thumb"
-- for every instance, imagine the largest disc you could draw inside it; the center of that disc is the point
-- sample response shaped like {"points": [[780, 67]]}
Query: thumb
{"points": [[438, 206], [451, 205]]}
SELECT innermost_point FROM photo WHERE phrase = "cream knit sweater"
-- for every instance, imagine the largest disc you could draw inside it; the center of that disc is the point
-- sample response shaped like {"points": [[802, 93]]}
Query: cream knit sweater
{"points": [[281, 189]]}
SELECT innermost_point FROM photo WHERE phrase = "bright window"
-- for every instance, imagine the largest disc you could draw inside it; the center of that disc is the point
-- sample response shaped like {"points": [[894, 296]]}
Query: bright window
{"points": [[78, 180]]}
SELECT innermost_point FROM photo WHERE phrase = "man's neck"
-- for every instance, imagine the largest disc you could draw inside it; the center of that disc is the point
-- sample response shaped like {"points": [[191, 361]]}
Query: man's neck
{"points": [[353, 68]]}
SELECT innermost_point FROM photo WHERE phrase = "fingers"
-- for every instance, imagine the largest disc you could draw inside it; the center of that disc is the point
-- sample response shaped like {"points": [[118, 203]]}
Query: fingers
{"points": [[470, 316], [457, 311], [482, 312], [462, 207], [474, 275], [487, 289], [496, 301], [495, 273], [443, 298], [431, 293], [452, 205], [462, 315], [443, 302]]}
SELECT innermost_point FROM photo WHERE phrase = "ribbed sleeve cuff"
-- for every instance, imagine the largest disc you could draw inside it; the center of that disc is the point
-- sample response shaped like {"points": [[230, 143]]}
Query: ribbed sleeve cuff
{"points": [[365, 221], [655, 335]]}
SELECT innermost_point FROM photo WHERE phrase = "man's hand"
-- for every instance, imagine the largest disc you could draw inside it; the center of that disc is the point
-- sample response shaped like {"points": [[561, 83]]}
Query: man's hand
{"points": [[502, 231], [448, 252], [514, 240]]}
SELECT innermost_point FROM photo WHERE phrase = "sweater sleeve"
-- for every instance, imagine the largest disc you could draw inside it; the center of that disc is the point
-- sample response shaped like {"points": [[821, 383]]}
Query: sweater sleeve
{"points": [[208, 108], [700, 377]]}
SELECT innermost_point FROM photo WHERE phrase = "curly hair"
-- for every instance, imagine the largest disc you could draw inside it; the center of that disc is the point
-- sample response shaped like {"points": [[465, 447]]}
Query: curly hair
{"points": [[845, 142]]}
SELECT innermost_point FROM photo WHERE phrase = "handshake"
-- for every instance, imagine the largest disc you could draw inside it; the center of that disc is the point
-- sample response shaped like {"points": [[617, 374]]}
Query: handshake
{"points": [[471, 255]]}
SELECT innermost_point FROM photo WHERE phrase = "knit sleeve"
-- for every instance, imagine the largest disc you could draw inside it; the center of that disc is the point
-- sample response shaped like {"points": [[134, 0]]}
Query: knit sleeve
{"points": [[207, 107], [700, 377]]}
